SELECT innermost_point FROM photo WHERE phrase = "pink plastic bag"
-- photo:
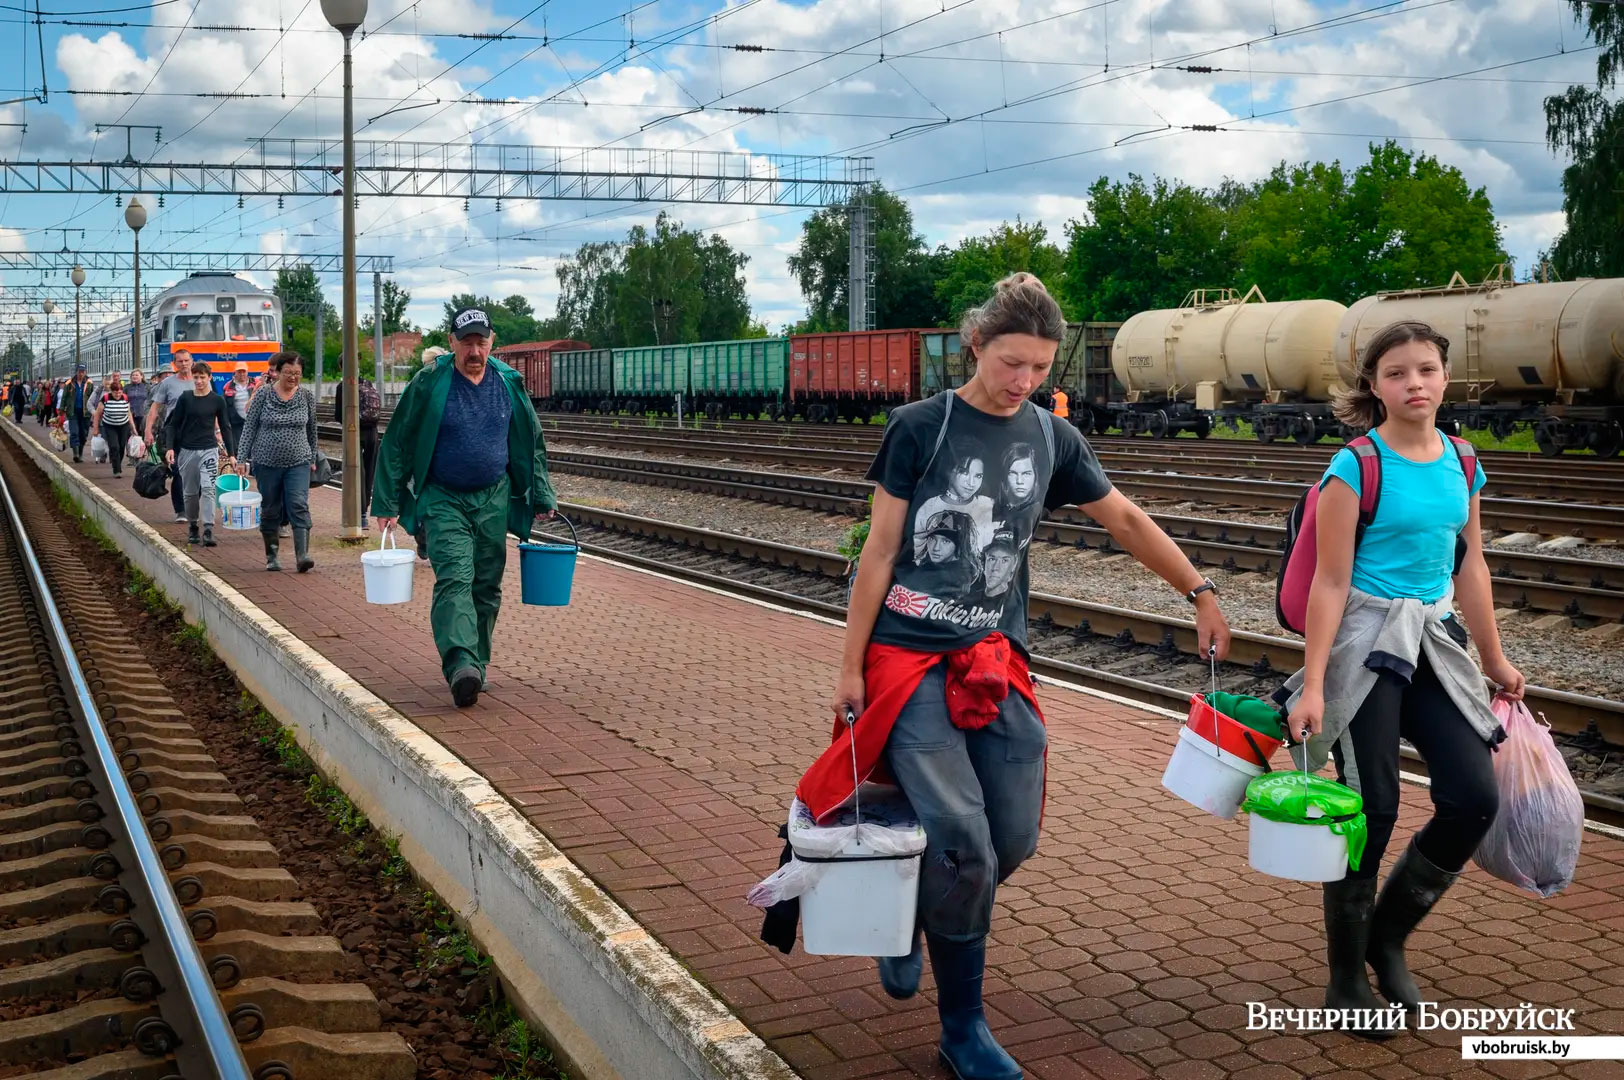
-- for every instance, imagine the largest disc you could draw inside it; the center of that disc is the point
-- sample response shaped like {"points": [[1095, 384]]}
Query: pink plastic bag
{"points": [[1534, 841]]}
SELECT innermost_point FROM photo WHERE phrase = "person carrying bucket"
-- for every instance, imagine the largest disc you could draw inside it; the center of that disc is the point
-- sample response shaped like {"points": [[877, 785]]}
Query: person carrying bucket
{"points": [[279, 440], [1385, 656], [463, 463], [934, 674]]}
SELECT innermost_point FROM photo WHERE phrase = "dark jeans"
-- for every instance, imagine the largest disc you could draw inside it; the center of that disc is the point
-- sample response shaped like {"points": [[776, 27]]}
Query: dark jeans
{"points": [[78, 431], [117, 436], [369, 462], [285, 495], [979, 796], [1464, 795], [237, 423]]}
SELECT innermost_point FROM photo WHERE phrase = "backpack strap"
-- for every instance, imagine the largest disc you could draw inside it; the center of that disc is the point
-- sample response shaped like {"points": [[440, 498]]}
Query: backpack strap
{"points": [[1046, 421], [1370, 477], [941, 433], [1468, 461]]}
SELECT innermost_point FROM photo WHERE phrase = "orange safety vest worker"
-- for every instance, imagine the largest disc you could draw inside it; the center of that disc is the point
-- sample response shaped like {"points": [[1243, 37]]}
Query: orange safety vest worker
{"points": [[1062, 408]]}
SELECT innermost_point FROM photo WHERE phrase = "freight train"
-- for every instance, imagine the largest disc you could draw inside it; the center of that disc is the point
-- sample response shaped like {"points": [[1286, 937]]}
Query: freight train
{"points": [[1549, 355], [218, 317]]}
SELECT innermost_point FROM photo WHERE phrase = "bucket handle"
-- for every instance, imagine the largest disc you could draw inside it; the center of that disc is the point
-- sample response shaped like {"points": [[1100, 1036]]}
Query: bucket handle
{"points": [[387, 536], [574, 538], [856, 781], [1212, 659], [1261, 759]]}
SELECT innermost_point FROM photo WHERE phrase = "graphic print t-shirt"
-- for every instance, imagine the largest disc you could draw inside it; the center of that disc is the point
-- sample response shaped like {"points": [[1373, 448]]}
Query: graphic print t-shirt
{"points": [[973, 504]]}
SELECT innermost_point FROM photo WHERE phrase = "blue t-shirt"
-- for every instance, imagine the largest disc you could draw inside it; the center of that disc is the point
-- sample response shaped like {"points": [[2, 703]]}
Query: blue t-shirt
{"points": [[1409, 550], [471, 451]]}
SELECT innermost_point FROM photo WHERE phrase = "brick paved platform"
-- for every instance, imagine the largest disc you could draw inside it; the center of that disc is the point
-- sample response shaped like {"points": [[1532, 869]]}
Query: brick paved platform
{"points": [[655, 731]]}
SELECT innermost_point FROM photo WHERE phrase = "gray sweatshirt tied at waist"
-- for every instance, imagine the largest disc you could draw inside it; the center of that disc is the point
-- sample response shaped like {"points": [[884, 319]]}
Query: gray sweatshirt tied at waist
{"points": [[1379, 635]]}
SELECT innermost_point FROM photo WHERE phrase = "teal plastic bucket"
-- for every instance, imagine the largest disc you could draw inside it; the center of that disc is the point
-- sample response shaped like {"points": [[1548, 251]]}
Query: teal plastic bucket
{"points": [[230, 482], [546, 571]]}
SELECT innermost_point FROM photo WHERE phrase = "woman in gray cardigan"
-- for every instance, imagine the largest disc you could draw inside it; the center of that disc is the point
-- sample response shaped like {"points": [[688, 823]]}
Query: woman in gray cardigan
{"points": [[1385, 658]]}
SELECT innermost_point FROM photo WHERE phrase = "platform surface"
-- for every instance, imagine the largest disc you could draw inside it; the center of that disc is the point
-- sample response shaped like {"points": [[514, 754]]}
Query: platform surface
{"points": [[655, 731]]}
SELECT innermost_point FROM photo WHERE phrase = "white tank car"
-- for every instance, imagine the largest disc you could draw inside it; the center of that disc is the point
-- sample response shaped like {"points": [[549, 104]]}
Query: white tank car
{"points": [[1547, 352], [1223, 354]]}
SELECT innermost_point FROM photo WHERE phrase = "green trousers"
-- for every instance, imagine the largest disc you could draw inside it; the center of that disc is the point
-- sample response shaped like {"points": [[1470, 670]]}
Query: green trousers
{"points": [[467, 538]]}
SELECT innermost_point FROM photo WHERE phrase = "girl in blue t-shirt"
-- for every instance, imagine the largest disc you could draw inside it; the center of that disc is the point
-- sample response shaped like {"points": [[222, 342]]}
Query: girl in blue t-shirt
{"points": [[1385, 658]]}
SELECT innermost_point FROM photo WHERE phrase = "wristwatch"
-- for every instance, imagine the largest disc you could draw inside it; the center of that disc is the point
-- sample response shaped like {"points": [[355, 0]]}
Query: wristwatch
{"points": [[1207, 585]]}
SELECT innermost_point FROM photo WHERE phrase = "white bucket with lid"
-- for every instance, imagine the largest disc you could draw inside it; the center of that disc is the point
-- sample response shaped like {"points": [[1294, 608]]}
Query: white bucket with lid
{"points": [[388, 571], [239, 510], [1295, 852]]}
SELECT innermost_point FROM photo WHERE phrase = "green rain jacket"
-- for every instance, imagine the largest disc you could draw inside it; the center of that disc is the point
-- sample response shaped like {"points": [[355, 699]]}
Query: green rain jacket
{"points": [[407, 448]]}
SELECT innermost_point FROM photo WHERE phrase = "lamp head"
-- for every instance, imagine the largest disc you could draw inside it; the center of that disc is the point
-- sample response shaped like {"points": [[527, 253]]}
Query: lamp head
{"points": [[31, 322], [344, 15], [78, 275], [135, 215], [50, 307]]}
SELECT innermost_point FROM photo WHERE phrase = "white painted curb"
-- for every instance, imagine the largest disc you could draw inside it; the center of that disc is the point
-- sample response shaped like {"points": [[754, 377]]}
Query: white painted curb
{"points": [[614, 1001]]}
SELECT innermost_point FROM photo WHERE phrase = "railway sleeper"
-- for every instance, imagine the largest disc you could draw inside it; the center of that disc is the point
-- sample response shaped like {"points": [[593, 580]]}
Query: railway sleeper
{"points": [[227, 956], [96, 929], [289, 1053]]}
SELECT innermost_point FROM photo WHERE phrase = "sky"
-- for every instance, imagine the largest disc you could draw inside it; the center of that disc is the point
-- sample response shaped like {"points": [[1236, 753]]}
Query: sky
{"points": [[976, 111]]}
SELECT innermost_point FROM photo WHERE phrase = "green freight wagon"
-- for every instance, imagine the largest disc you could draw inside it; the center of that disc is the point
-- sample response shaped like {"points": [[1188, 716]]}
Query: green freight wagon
{"points": [[648, 378], [943, 365], [744, 378], [1082, 368], [583, 380]]}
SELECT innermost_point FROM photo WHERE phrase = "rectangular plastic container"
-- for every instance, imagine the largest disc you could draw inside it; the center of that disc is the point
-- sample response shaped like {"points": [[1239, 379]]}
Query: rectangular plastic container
{"points": [[862, 908]]}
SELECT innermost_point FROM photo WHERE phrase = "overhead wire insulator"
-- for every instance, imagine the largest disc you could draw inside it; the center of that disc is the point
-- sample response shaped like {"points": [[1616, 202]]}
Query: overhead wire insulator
{"points": [[749, 48], [1204, 127]]}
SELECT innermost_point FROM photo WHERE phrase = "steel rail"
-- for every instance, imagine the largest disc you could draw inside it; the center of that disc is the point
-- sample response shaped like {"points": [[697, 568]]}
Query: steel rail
{"points": [[208, 1048]]}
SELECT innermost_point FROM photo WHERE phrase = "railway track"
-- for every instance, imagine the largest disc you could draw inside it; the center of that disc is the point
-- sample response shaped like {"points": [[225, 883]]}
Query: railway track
{"points": [[1136, 655], [146, 928]]}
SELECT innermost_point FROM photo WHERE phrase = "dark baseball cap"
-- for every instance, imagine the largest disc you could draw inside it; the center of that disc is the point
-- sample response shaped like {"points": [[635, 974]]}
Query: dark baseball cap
{"points": [[470, 320]]}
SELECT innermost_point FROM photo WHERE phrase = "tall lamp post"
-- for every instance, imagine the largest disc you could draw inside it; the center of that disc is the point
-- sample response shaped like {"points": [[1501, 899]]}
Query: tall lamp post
{"points": [[50, 309], [135, 216], [78, 280], [345, 16], [31, 346]]}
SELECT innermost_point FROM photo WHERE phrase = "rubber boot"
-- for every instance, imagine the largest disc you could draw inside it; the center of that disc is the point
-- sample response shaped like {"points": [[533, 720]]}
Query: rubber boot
{"points": [[270, 551], [1412, 888], [301, 550], [899, 975], [1348, 904], [967, 1047]]}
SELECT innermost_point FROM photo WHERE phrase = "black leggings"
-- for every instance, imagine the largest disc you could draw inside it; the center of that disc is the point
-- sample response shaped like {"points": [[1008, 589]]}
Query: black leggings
{"points": [[117, 436], [1464, 795]]}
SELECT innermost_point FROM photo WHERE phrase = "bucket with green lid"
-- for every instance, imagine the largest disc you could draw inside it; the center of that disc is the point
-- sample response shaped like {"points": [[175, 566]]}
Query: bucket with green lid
{"points": [[1304, 827]]}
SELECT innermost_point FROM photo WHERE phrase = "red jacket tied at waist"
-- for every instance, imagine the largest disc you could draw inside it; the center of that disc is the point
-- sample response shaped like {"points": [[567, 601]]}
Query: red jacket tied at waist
{"points": [[978, 680]]}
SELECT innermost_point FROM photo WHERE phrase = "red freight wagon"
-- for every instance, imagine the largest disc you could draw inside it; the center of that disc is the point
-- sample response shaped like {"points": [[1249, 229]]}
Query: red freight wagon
{"points": [[532, 360], [852, 375]]}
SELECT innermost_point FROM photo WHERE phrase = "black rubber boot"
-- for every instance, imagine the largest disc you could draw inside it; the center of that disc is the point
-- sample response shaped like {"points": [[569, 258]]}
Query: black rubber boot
{"points": [[1348, 904], [967, 1047], [1412, 888], [899, 975], [208, 536], [301, 550], [270, 551], [191, 532], [465, 683]]}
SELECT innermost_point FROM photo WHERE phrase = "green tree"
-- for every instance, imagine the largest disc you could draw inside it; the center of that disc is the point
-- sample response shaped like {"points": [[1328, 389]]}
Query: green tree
{"points": [[1146, 246], [509, 327], [19, 358], [300, 293], [1588, 125], [660, 300], [725, 312], [1295, 228], [904, 271], [395, 302], [587, 288], [967, 273]]}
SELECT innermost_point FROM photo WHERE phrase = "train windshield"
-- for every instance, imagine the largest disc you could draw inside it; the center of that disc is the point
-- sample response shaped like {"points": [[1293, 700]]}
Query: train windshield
{"points": [[253, 328], [198, 328]]}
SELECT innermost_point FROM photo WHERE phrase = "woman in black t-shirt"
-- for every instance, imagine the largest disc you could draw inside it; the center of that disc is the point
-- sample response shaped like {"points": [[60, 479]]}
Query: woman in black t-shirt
{"points": [[962, 479]]}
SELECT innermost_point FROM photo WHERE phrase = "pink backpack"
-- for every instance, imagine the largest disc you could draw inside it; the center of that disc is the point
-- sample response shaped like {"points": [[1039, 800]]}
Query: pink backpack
{"points": [[1300, 557]]}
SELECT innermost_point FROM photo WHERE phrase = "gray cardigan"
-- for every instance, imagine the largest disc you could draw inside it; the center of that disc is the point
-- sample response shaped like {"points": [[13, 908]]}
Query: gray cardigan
{"points": [[1389, 635]]}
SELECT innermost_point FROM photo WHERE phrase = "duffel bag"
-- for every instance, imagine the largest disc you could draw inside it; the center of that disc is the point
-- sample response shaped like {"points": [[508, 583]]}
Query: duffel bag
{"points": [[151, 480]]}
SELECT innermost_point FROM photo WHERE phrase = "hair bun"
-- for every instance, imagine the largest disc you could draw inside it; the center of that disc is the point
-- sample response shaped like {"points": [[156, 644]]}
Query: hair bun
{"points": [[1022, 279]]}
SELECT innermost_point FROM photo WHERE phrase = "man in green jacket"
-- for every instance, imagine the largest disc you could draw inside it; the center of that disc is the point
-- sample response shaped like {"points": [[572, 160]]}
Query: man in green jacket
{"points": [[463, 464]]}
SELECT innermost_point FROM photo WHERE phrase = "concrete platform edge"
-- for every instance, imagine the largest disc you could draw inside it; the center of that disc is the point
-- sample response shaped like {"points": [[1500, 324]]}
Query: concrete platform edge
{"points": [[616, 1003]]}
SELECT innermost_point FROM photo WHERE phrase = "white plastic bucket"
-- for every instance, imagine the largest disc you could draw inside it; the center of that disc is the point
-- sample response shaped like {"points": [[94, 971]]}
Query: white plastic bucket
{"points": [[1206, 777], [388, 572], [1297, 852], [864, 907], [239, 510]]}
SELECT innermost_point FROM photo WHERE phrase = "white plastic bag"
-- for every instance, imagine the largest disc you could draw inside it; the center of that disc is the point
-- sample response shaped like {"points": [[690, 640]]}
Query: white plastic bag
{"points": [[1534, 841], [888, 826], [135, 448], [98, 448]]}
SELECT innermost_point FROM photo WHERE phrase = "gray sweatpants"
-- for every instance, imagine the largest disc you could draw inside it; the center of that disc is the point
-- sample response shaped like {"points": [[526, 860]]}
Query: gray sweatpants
{"points": [[199, 469]]}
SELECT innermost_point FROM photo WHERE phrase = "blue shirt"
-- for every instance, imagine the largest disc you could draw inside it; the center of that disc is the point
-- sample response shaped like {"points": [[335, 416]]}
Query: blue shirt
{"points": [[471, 451], [1409, 550]]}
